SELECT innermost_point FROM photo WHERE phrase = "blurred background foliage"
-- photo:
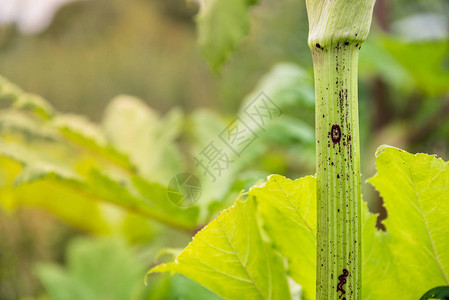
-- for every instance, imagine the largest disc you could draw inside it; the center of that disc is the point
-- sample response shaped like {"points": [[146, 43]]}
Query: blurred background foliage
{"points": [[83, 174]]}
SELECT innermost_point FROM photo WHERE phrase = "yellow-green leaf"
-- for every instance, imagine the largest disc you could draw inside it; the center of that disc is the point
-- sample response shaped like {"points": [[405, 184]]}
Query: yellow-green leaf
{"points": [[414, 256], [288, 209], [230, 257]]}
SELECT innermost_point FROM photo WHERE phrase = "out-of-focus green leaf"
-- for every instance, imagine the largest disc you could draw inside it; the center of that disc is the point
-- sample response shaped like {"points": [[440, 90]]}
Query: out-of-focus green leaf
{"points": [[101, 269], [69, 201], [221, 26], [288, 85], [69, 150], [375, 60], [110, 269], [26, 101], [204, 128], [230, 257], [35, 104], [148, 140], [81, 126], [99, 187], [157, 195], [9, 89], [63, 203], [88, 137], [425, 62], [35, 166], [414, 254], [287, 130], [290, 88], [15, 121]]}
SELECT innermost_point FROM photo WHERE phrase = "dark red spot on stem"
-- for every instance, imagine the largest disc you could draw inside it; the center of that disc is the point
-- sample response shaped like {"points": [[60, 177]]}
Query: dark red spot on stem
{"points": [[336, 134]]}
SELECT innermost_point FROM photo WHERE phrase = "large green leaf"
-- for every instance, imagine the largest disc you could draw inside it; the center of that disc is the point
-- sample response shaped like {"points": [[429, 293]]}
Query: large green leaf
{"points": [[230, 257], [221, 26], [402, 263], [376, 282], [288, 216], [288, 209], [414, 256]]}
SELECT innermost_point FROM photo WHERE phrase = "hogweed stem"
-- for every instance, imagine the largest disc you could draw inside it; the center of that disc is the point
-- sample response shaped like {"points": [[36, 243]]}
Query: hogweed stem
{"points": [[337, 30]]}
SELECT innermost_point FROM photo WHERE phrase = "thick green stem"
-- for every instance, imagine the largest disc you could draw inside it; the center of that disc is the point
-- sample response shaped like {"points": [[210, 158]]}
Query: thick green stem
{"points": [[336, 31], [338, 171]]}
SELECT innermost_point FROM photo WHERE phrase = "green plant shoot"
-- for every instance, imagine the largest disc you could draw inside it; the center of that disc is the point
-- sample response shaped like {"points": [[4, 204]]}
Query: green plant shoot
{"points": [[336, 31]]}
